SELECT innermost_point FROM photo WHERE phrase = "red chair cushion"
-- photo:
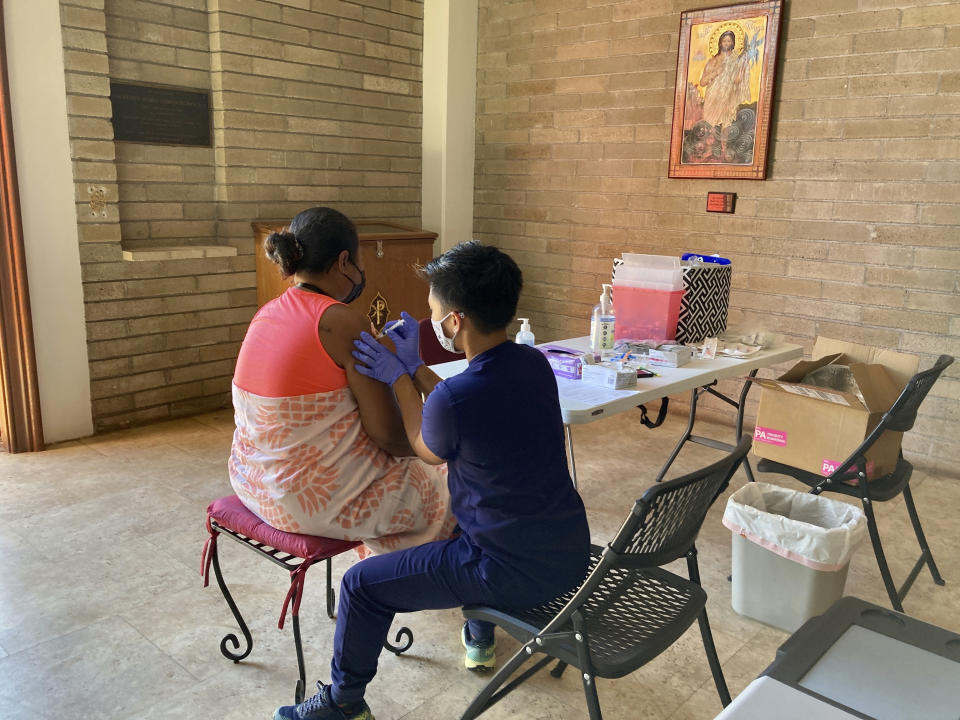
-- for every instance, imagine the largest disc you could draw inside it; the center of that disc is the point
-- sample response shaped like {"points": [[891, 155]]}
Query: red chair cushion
{"points": [[231, 513]]}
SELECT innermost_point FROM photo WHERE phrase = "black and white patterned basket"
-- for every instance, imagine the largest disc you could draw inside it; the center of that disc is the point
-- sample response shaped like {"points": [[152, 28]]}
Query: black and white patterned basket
{"points": [[706, 300], [703, 311]]}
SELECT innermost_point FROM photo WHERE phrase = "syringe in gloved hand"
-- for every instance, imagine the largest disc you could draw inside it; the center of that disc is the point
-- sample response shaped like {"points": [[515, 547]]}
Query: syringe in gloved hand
{"points": [[397, 324]]}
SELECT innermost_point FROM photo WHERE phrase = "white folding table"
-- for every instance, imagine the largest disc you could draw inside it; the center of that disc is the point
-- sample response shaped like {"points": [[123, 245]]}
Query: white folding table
{"points": [[582, 403]]}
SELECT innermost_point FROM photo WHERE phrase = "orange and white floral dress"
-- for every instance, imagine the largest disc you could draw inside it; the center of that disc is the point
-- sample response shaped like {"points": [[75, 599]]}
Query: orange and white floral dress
{"points": [[301, 460]]}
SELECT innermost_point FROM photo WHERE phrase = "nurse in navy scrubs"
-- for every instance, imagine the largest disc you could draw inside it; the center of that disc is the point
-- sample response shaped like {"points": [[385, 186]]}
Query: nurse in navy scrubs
{"points": [[524, 538]]}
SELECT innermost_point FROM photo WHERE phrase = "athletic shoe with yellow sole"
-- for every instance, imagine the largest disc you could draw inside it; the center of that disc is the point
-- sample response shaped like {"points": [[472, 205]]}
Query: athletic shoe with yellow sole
{"points": [[480, 657]]}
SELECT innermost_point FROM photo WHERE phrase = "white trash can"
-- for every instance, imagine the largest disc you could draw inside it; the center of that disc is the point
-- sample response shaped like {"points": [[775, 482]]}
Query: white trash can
{"points": [[791, 552]]}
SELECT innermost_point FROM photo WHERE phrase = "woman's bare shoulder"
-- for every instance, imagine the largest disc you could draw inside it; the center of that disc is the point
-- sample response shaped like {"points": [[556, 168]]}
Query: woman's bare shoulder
{"points": [[339, 326]]}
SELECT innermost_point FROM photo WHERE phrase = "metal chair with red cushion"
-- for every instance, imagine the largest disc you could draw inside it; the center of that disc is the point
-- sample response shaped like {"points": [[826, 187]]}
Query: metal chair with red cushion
{"points": [[291, 551]]}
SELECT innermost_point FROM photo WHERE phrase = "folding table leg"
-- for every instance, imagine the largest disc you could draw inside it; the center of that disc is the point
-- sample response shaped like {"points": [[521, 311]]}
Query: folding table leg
{"points": [[741, 406], [683, 439], [688, 435]]}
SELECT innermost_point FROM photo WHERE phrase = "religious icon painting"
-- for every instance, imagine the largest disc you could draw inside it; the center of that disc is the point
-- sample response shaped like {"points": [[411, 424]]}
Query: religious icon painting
{"points": [[726, 67]]}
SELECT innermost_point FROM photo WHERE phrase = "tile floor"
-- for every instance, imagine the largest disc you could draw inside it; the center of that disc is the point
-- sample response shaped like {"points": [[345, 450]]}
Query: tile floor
{"points": [[102, 614]]}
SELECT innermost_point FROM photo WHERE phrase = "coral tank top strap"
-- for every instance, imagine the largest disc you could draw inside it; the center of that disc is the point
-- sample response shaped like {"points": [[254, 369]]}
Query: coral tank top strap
{"points": [[282, 355]]}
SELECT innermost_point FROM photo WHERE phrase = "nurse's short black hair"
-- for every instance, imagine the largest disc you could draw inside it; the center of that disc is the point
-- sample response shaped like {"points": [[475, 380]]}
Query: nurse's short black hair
{"points": [[479, 280]]}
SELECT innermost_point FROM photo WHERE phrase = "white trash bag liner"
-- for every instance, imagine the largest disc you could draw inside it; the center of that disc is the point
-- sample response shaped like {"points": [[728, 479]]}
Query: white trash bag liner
{"points": [[809, 529]]}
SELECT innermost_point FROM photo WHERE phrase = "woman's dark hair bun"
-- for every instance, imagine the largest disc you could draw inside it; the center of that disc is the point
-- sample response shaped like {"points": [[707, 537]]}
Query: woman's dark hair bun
{"points": [[285, 250]]}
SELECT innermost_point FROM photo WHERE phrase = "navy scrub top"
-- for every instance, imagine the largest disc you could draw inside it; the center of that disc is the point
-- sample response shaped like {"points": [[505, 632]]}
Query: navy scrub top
{"points": [[498, 426]]}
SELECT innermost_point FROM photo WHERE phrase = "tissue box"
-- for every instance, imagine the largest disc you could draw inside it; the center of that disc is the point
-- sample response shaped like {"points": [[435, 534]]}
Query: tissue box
{"points": [[565, 362], [609, 375], [670, 355]]}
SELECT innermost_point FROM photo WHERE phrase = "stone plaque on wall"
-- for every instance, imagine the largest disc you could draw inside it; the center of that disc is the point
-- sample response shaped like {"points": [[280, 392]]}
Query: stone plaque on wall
{"points": [[160, 114]]}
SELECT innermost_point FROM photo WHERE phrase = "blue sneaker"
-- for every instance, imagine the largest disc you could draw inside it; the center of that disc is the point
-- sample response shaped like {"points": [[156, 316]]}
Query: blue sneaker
{"points": [[322, 707], [480, 656]]}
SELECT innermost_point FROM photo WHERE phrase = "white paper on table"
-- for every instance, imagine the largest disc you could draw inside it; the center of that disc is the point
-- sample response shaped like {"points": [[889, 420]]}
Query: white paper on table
{"points": [[739, 350], [586, 394]]}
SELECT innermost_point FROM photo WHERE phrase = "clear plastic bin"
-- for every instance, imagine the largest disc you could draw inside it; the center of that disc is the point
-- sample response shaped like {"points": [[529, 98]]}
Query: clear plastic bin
{"points": [[660, 272]]}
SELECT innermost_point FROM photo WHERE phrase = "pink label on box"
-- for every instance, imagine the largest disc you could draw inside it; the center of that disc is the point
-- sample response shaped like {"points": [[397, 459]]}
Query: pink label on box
{"points": [[770, 436], [829, 467]]}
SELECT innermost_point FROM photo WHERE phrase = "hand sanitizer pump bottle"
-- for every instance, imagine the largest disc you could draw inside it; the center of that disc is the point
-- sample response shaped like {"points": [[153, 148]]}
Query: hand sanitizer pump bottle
{"points": [[602, 322], [525, 336]]}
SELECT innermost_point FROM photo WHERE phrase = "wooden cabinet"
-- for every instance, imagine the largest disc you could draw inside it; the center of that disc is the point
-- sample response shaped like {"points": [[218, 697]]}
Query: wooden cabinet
{"points": [[390, 253]]}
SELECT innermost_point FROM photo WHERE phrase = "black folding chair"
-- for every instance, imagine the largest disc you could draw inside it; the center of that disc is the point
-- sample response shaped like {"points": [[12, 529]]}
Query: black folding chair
{"points": [[850, 478], [628, 610]]}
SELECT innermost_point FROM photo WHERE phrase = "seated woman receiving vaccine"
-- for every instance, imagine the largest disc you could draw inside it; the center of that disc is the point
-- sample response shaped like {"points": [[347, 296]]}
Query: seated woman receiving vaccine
{"points": [[320, 449]]}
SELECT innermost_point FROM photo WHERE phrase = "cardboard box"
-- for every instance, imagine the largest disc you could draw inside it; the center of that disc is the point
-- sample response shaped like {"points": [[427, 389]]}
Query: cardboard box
{"points": [[670, 355], [608, 375], [566, 362], [815, 428]]}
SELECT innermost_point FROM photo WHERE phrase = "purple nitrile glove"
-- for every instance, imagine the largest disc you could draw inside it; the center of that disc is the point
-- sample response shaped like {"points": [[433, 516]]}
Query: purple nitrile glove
{"points": [[376, 361], [405, 334]]}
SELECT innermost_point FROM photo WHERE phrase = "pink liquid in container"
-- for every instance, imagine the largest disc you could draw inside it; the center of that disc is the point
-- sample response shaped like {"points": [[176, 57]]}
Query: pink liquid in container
{"points": [[644, 313]]}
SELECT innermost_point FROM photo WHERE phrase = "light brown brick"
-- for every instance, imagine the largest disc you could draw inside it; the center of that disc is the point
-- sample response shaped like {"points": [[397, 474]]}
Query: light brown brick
{"points": [[872, 254], [86, 62], [641, 9], [792, 287], [898, 84], [825, 270], [80, 39], [931, 16], [906, 320], [886, 128], [940, 215], [191, 19], [819, 47], [813, 8], [141, 51], [114, 386], [856, 23], [100, 233], [82, 84], [833, 108], [939, 259], [818, 88], [876, 337], [930, 344], [921, 279], [944, 60]]}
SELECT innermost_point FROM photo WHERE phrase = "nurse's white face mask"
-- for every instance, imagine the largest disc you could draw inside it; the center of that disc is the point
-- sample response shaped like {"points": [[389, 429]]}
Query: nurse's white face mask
{"points": [[445, 342]]}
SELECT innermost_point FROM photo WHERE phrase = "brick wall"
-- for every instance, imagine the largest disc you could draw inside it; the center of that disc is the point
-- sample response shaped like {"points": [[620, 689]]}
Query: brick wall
{"points": [[853, 235], [314, 102], [166, 192]]}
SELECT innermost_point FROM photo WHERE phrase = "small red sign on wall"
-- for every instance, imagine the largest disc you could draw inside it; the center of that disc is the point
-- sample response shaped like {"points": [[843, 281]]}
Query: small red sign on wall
{"points": [[721, 202]]}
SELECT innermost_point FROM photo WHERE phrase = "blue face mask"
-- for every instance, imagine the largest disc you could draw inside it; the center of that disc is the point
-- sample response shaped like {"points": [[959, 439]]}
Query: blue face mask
{"points": [[445, 342]]}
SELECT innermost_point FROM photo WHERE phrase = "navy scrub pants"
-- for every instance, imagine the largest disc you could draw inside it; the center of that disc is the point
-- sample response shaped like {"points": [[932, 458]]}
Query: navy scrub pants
{"points": [[438, 575]]}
